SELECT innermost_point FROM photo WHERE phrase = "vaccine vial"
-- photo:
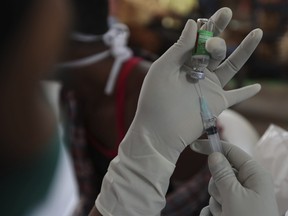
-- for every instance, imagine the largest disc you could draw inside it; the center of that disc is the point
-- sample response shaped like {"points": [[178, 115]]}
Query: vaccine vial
{"points": [[200, 57]]}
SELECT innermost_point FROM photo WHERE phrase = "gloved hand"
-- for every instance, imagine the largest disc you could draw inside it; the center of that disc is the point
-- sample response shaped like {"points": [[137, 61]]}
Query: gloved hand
{"points": [[168, 110], [168, 119], [247, 189]]}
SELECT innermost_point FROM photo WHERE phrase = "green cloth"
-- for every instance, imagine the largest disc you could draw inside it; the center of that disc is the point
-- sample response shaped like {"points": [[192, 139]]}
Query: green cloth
{"points": [[26, 186]]}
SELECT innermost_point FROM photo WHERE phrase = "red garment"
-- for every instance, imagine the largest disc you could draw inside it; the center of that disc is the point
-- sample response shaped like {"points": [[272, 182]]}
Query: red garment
{"points": [[120, 92]]}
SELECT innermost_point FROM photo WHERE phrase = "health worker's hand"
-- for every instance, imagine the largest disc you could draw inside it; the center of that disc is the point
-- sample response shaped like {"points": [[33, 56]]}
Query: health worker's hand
{"points": [[168, 112], [168, 119], [245, 189]]}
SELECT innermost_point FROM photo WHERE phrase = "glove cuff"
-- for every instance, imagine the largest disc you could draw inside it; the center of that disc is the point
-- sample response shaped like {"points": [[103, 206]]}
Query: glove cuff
{"points": [[137, 179]]}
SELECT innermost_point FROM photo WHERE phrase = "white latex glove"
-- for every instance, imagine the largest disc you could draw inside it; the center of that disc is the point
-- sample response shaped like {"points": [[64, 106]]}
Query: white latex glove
{"points": [[168, 110], [246, 189], [168, 119]]}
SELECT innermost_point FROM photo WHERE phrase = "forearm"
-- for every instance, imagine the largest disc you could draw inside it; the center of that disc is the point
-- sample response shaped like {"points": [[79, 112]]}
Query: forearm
{"points": [[137, 180]]}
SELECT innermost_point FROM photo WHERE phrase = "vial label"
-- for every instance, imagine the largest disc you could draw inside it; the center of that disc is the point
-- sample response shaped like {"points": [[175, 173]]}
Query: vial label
{"points": [[202, 37]]}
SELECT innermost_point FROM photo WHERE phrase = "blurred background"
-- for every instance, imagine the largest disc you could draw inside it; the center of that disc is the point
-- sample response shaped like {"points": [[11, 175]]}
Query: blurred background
{"points": [[156, 24], [92, 121]]}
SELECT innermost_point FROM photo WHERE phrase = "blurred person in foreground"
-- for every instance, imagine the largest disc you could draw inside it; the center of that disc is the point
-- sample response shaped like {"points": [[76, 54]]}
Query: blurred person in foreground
{"points": [[33, 159], [167, 118]]}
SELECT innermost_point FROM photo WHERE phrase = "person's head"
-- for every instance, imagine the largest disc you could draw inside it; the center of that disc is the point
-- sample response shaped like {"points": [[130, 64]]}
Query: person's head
{"points": [[91, 16], [32, 34]]}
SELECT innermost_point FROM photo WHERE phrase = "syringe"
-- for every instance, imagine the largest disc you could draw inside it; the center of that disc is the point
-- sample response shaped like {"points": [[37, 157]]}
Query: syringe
{"points": [[199, 61], [209, 123]]}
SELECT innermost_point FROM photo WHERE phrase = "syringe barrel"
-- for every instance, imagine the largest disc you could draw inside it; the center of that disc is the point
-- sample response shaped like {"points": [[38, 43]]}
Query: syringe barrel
{"points": [[215, 143]]}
